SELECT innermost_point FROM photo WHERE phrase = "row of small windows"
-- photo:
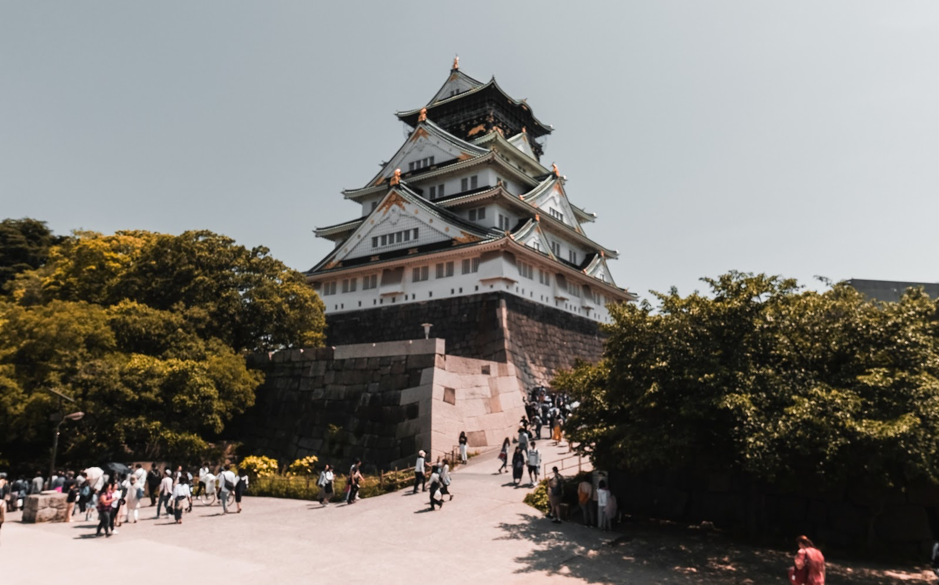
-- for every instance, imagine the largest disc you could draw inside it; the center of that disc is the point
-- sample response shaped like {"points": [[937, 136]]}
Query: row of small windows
{"points": [[556, 214], [467, 183], [419, 274], [395, 238], [421, 164]]}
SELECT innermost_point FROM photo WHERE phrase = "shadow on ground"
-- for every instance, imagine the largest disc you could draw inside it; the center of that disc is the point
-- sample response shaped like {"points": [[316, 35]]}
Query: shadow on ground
{"points": [[673, 554]]}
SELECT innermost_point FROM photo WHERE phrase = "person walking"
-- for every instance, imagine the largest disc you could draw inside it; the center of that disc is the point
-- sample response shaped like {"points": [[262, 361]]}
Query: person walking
{"points": [[241, 488], [325, 483], [182, 498], [534, 463], [419, 467], [204, 471], [556, 430], [118, 504], [603, 500], [141, 474], [153, 483], [226, 484], [808, 568], [518, 466], [134, 493], [105, 499], [70, 488], [445, 479], [585, 499], [523, 439], [166, 492], [463, 442], [504, 454], [355, 477], [436, 495], [555, 495]]}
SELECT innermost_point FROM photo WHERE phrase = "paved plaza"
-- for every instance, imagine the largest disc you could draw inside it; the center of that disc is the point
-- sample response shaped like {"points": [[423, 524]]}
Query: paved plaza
{"points": [[485, 535]]}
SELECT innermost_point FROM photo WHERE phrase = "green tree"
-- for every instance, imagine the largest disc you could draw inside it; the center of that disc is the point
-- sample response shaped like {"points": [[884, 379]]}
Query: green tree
{"points": [[765, 378], [147, 332], [24, 246]]}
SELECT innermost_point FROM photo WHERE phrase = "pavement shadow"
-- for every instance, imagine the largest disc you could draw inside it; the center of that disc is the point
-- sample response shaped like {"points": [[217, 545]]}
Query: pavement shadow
{"points": [[669, 553]]}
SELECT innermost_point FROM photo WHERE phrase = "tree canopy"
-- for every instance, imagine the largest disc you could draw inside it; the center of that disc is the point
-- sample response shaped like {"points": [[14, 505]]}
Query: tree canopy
{"points": [[767, 378], [147, 332]]}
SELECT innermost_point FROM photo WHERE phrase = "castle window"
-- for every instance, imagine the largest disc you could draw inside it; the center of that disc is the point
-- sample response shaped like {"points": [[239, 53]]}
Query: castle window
{"points": [[370, 282], [470, 265], [544, 277], [394, 238], [349, 285], [444, 270], [478, 213], [526, 270], [474, 181], [556, 214], [504, 223], [464, 184], [572, 256], [556, 248], [329, 288], [433, 192], [420, 274]]}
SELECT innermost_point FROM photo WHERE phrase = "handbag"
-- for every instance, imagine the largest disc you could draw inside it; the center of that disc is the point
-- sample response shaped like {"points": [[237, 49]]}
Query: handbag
{"points": [[798, 576]]}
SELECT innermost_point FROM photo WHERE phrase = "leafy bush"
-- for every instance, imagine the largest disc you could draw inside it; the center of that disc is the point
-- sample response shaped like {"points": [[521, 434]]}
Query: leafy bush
{"points": [[785, 385], [538, 498], [303, 467], [258, 467]]}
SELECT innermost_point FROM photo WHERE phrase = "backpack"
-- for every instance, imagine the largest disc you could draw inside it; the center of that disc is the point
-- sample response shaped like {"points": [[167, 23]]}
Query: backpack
{"points": [[229, 486], [85, 491]]}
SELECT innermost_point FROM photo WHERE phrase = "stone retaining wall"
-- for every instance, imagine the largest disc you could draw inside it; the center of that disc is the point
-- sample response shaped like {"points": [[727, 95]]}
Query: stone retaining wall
{"points": [[379, 401], [536, 338]]}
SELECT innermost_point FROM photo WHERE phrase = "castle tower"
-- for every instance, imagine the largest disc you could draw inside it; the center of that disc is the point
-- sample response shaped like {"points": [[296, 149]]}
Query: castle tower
{"points": [[465, 229]]}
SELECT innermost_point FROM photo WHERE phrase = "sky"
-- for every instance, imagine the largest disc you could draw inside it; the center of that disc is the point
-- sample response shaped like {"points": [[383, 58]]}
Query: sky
{"points": [[793, 138]]}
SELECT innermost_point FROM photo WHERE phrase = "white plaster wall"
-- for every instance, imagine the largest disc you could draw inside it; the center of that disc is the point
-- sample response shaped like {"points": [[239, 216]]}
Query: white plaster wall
{"points": [[499, 270]]}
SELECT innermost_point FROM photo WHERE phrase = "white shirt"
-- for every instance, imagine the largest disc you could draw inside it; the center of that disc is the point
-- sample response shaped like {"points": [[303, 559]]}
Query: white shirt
{"points": [[182, 490], [445, 475], [603, 496], [534, 457], [141, 475], [226, 476], [419, 466], [203, 471], [166, 485]]}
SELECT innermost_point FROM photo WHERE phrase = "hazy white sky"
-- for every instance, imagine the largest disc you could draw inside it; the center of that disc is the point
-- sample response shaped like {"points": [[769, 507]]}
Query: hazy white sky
{"points": [[797, 138]]}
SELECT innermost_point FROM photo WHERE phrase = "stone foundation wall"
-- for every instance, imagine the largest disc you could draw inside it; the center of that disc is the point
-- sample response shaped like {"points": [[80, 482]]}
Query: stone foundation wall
{"points": [[535, 338], [379, 401]]}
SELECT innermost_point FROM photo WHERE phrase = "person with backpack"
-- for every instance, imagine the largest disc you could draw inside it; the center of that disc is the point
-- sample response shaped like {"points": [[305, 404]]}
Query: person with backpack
{"points": [[325, 483], [523, 439], [182, 497], [226, 484], [808, 568], [555, 494]]}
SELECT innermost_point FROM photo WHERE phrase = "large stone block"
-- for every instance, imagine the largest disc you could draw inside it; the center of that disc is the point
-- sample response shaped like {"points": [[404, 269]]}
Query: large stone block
{"points": [[44, 507]]}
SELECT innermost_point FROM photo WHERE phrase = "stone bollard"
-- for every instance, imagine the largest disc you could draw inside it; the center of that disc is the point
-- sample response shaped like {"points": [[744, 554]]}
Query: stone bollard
{"points": [[45, 507]]}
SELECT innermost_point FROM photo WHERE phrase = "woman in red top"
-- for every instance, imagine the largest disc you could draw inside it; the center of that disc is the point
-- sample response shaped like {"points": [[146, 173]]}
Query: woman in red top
{"points": [[104, 510], [809, 565]]}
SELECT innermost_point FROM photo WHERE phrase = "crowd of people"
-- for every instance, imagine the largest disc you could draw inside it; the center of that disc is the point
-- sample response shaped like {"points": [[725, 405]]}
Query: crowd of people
{"points": [[116, 493]]}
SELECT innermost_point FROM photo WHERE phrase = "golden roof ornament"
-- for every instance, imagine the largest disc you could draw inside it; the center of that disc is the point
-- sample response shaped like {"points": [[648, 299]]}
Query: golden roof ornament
{"points": [[396, 178], [456, 63], [422, 117], [554, 169]]}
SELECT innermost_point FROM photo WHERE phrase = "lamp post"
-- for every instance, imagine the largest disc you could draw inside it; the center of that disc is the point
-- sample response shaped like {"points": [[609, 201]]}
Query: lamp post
{"points": [[55, 441]]}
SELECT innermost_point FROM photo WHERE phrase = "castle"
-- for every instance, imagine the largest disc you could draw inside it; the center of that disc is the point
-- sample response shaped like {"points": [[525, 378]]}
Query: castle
{"points": [[465, 237]]}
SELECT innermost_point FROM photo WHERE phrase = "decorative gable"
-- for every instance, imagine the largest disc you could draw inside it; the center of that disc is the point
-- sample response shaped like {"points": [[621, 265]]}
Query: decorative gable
{"points": [[401, 222], [426, 147], [456, 84]]}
